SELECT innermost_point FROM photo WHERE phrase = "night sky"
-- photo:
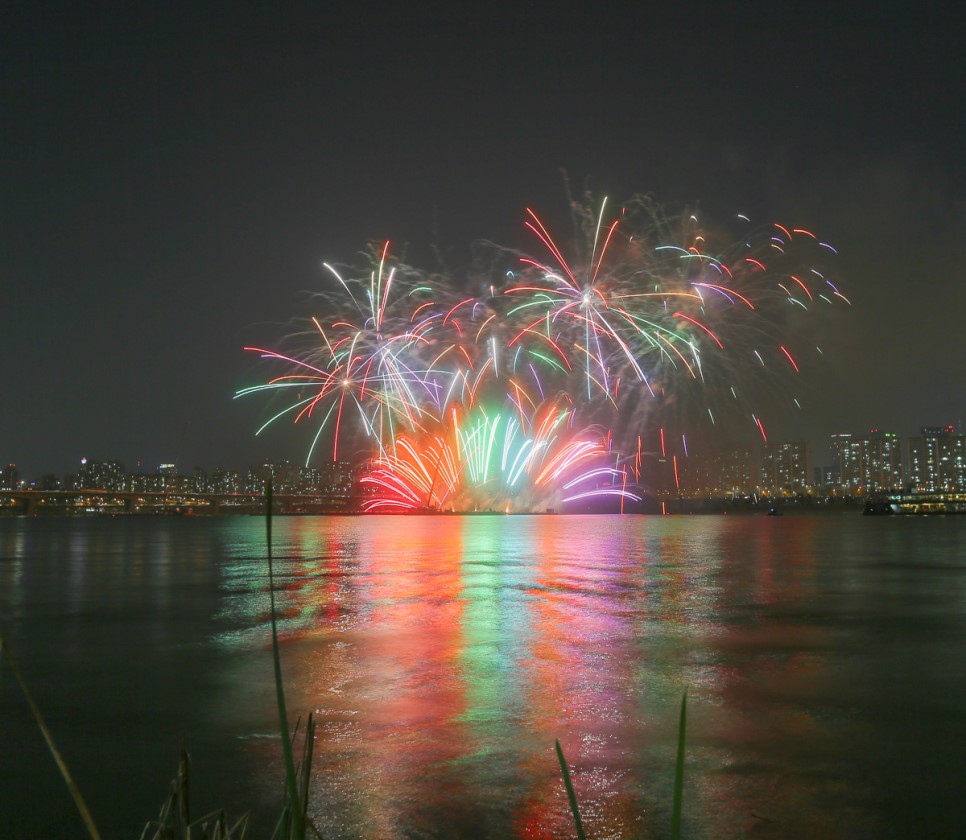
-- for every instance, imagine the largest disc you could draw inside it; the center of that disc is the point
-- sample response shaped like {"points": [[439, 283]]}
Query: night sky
{"points": [[173, 175]]}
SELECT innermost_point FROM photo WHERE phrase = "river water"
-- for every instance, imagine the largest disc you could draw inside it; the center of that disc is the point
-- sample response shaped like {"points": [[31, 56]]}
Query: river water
{"points": [[823, 658]]}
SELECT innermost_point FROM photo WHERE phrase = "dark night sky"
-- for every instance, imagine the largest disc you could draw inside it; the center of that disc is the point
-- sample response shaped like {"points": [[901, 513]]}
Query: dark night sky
{"points": [[173, 175]]}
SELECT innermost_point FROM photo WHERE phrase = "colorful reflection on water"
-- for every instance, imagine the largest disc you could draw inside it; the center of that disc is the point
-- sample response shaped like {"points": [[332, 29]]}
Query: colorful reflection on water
{"points": [[443, 655]]}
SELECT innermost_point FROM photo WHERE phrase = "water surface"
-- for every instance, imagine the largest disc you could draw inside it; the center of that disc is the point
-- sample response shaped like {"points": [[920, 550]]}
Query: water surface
{"points": [[442, 656]]}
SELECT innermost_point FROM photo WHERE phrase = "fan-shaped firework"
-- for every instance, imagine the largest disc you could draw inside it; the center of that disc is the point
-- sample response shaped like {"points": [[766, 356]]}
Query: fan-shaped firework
{"points": [[498, 461], [528, 396]]}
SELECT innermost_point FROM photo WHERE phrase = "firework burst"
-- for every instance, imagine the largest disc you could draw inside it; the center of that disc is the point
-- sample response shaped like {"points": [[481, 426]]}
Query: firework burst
{"points": [[526, 397]]}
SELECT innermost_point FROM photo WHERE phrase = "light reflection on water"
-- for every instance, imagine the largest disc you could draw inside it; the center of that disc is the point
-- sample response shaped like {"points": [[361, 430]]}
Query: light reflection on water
{"points": [[443, 655]]}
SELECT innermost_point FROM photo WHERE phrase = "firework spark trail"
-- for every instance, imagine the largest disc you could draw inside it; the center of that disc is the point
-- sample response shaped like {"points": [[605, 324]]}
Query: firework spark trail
{"points": [[520, 397]]}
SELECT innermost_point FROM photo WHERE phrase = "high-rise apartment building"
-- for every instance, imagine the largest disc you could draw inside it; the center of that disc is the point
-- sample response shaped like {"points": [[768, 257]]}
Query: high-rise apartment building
{"points": [[868, 463], [786, 467], [731, 472], [100, 475], [937, 459]]}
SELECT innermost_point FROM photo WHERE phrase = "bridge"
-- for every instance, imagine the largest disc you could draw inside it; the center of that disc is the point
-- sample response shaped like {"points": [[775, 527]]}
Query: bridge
{"points": [[93, 501]]}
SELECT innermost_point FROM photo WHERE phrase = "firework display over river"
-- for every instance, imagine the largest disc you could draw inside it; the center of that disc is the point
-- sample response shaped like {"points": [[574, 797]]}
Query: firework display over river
{"points": [[534, 390]]}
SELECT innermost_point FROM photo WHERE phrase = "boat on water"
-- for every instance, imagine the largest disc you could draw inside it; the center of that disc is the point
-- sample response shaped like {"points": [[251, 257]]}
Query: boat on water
{"points": [[916, 504]]}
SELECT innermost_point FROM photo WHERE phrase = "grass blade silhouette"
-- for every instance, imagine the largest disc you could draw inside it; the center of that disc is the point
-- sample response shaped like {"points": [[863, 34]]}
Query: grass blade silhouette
{"points": [[570, 793], [75, 793], [679, 771], [295, 821]]}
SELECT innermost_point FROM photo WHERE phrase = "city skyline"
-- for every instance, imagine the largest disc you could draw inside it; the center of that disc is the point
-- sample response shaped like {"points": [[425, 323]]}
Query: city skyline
{"points": [[871, 462], [173, 182]]}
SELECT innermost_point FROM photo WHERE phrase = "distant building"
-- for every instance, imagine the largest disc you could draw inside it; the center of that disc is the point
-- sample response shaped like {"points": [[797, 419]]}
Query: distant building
{"points": [[786, 468], [9, 477], [733, 472], [335, 478], [225, 482], [826, 478], [101, 475], [937, 459], [331, 478], [868, 463]]}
